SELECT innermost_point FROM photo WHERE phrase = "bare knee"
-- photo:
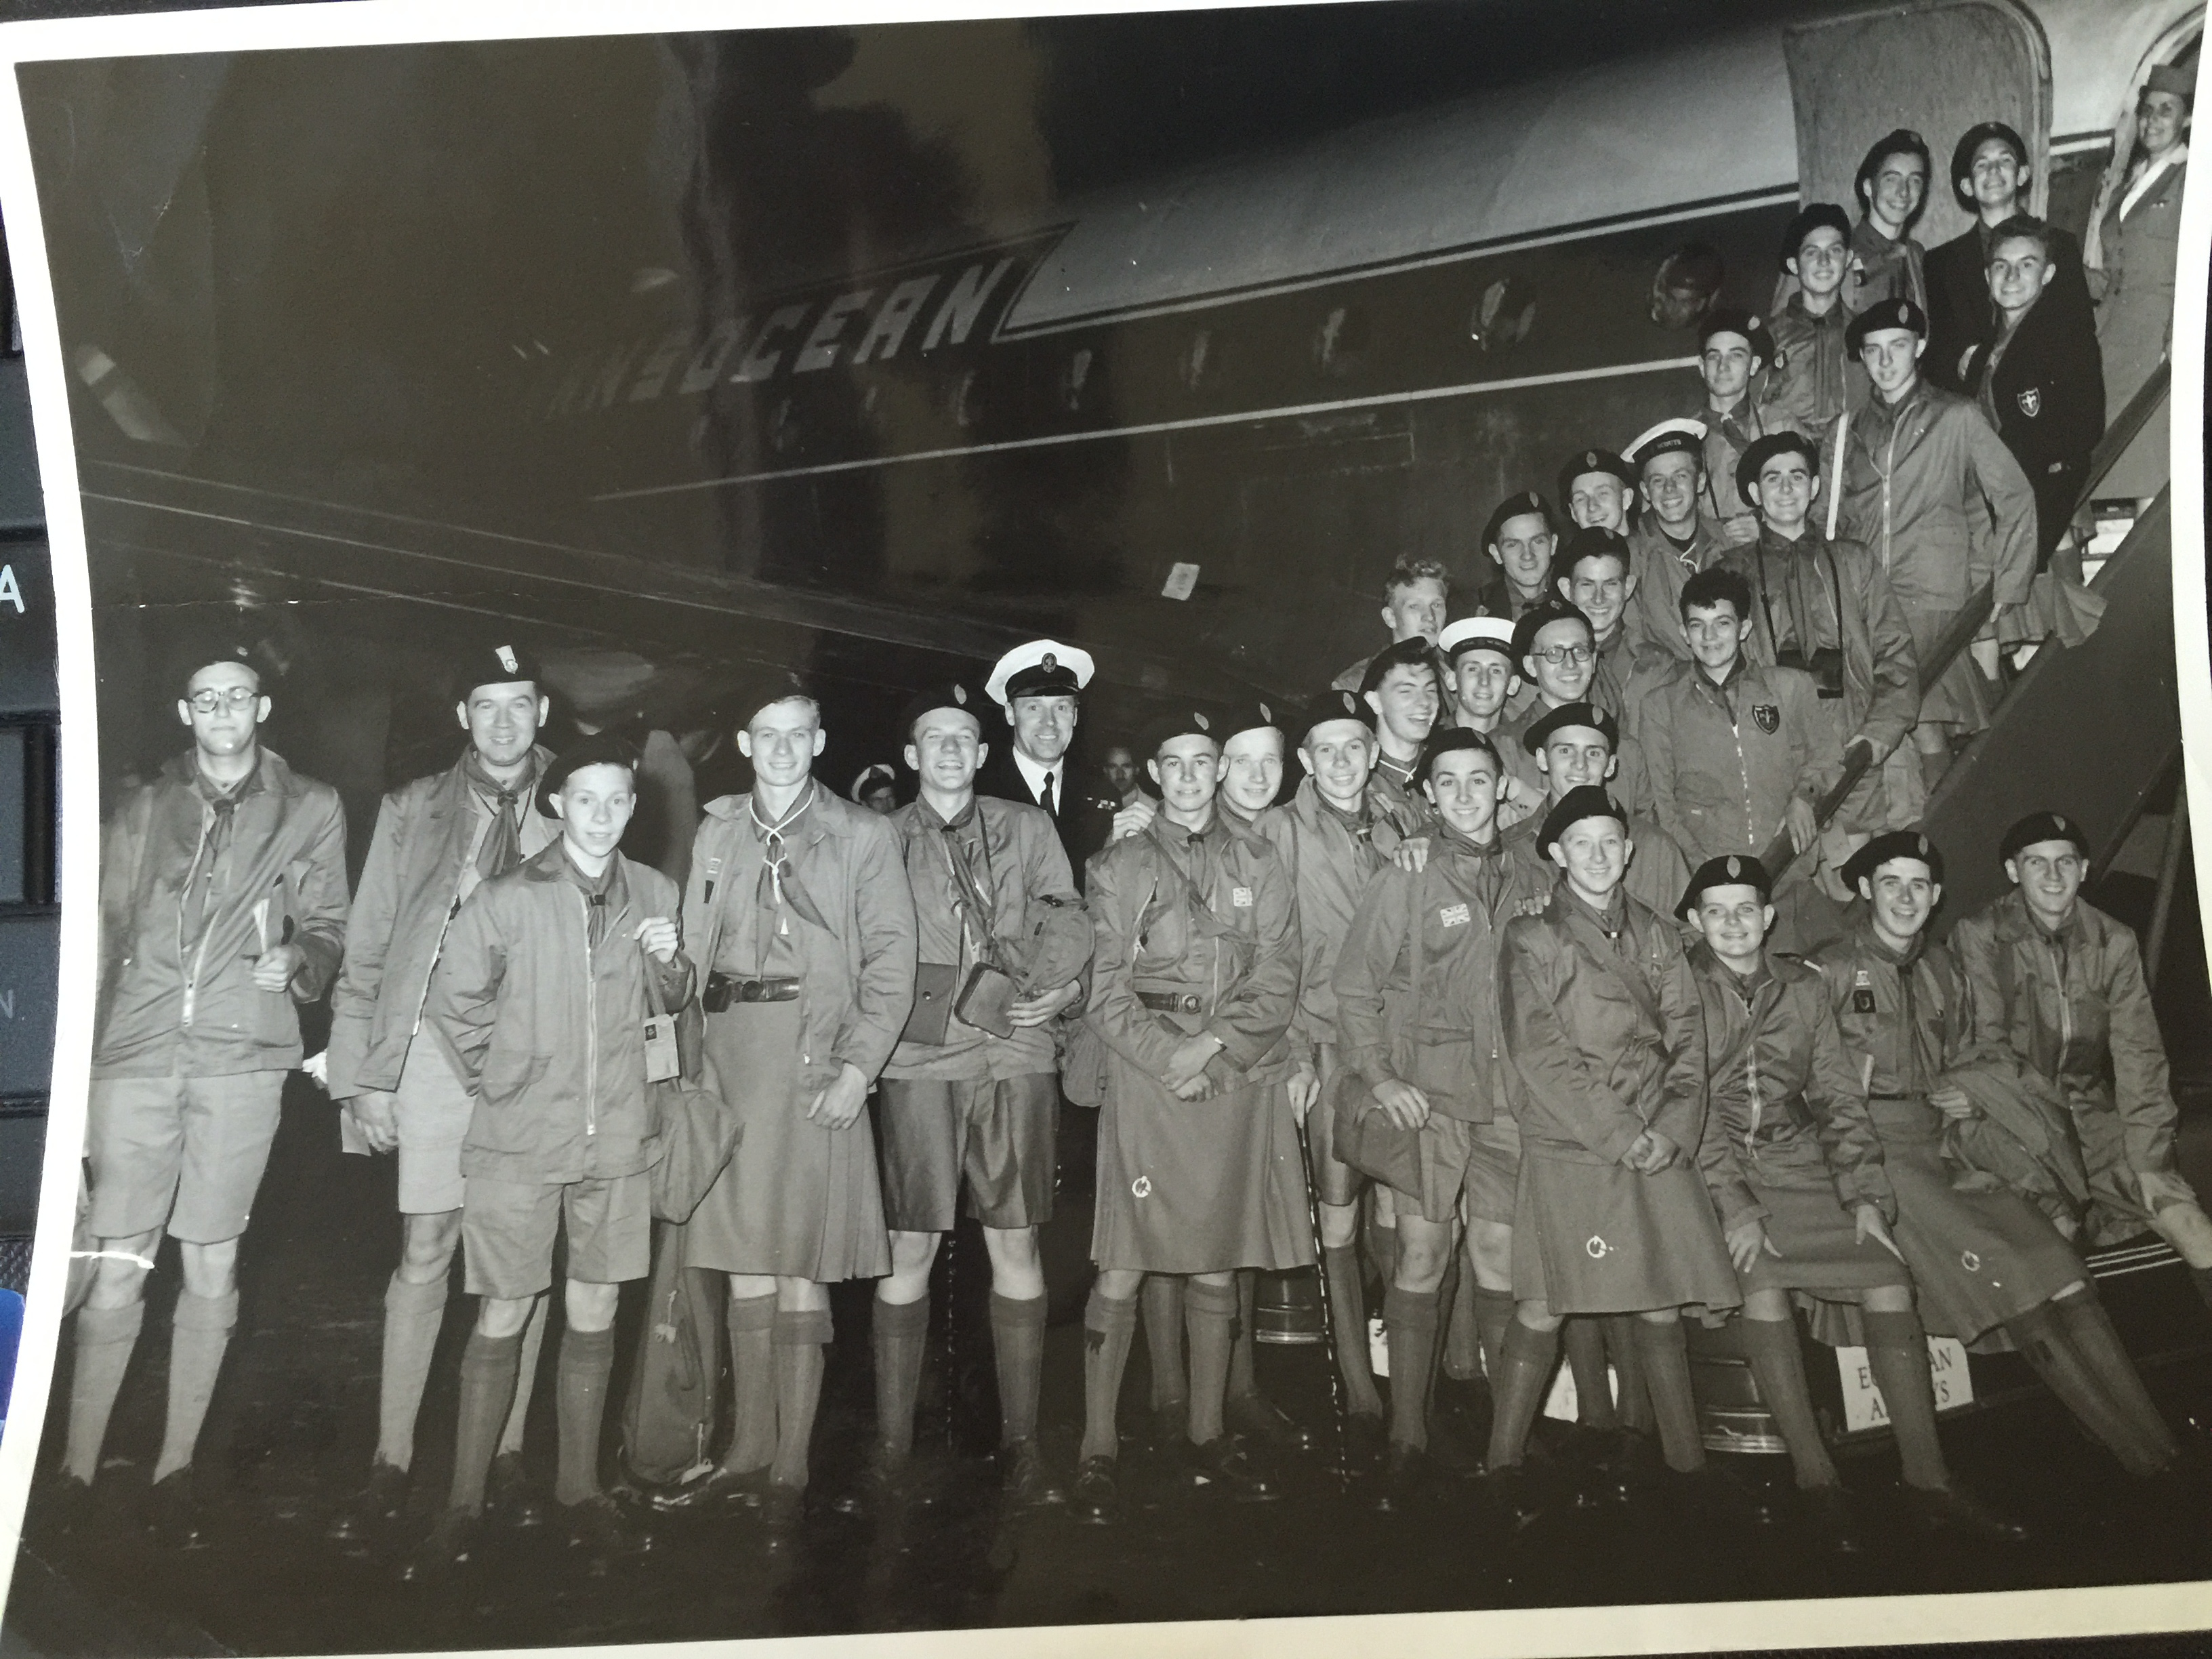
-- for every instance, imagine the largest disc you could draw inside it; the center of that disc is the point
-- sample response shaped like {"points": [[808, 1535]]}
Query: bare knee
{"points": [[118, 1275], [1424, 1248], [210, 1270], [2185, 1226], [1490, 1249], [1217, 1281], [912, 1255], [1661, 1316], [499, 1317], [427, 1243], [801, 1295], [1537, 1315], [591, 1307], [1886, 1298], [1119, 1284], [1772, 1307], [750, 1287], [1017, 1269], [1340, 1224]]}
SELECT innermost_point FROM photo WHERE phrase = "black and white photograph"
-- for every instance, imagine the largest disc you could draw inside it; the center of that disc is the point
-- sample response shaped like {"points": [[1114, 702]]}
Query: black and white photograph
{"points": [[827, 822]]}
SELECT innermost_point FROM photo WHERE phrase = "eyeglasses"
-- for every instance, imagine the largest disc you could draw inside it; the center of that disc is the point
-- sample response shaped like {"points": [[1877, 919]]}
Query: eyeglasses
{"points": [[239, 696], [1559, 655]]}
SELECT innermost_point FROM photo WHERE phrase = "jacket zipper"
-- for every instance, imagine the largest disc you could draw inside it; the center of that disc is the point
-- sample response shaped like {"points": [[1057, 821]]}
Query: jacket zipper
{"points": [[207, 925], [591, 1025]]}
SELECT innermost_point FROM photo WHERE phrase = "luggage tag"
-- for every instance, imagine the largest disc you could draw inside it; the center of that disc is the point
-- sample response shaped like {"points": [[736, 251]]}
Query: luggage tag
{"points": [[1863, 993], [662, 1062]]}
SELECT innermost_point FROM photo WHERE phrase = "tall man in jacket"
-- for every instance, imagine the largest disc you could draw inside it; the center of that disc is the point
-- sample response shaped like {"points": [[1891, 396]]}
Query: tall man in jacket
{"points": [[1039, 686], [799, 914], [436, 839], [2061, 984], [1194, 986], [1931, 490], [1417, 996], [971, 1106], [1602, 1031], [541, 996], [1521, 538], [222, 904]]}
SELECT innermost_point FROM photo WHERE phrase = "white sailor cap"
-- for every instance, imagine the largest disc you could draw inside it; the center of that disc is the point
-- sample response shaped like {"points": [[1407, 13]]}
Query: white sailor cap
{"points": [[1685, 436], [1473, 633], [1040, 668]]}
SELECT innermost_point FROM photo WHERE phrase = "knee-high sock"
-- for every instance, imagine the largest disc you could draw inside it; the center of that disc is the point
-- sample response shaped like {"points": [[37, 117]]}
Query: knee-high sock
{"points": [[1162, 1299], [752, 1383], [1347, 1318], [1018, 1343], [800, 1340], [2088, 1328], [1208, 1312], [1897, 1353], [1664, 1350], [1241, 1378], [1463, 1355], [1585, 1344], [488, 1368], [1637, 1408], [412, 1315], [526, 1376], [900, 1336], [1524, 1372], [579, 1398], [1493, 1312], [1410, 1317], [104, 1338], [1109, 1326], [2042, 1340], [1386, 1255], [198, 1340], [1778, 1365]]}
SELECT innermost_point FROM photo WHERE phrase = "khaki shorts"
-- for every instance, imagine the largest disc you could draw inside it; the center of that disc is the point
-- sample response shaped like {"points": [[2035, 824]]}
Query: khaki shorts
{"points": [[181, 1152], [433, 1109], [997, 1136], [507, 1228], [1481, 1160]]}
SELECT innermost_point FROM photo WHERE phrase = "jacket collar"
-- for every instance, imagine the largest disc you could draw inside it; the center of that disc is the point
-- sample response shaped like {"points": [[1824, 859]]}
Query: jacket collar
{"points": [[2013, 920], [272, 775], [828, 814]]}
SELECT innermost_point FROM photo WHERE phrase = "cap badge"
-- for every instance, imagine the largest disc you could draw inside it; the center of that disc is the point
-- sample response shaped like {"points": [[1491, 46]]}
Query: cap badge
{"points": [[507, 658], [1590, 459], [1050, 662], [960, 695], [1266, 715], [1735, 868], [1202, 723]]}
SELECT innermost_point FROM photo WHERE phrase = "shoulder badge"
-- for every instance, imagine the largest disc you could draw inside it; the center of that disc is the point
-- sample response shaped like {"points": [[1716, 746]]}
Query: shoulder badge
{"points": [[2030, 402], [1769, 716]]}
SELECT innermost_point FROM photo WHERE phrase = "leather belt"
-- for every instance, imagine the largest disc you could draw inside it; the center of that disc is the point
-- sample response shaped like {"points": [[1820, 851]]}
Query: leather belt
{"points": [[722, 991], [1173, 1002], [1883, 1096]]}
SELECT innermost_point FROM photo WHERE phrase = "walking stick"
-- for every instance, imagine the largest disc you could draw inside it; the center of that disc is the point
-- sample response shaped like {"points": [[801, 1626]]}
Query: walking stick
{"points": [[1328, 1311]]}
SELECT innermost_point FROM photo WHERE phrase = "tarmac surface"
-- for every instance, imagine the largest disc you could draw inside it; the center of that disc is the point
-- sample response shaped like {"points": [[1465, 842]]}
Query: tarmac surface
{"points": [[293, 1425]]}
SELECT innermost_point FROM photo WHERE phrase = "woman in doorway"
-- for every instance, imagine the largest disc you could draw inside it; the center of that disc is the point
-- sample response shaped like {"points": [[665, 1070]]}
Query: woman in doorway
{"points": [[2137, 235]]}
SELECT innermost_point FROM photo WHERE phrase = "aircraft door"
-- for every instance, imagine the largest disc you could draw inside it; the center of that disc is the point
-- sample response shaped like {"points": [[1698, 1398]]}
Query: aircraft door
{"points": [[1936, 68]]}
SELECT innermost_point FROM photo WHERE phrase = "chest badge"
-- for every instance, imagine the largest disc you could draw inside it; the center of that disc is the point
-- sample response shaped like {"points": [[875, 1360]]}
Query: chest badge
{"points": [[1142, 1186], [2030, 402], [1241, 897], [1597, 1247], [1863, 993], [1769, 717], [1453, 915]]}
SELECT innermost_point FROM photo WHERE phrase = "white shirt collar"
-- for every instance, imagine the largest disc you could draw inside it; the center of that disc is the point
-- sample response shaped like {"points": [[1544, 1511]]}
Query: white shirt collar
{"points": [[2173, 158], [1034, 772]]}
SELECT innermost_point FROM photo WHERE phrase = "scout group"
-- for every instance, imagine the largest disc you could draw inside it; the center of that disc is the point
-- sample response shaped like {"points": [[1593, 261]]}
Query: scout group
{"points": [[1508, 969]]}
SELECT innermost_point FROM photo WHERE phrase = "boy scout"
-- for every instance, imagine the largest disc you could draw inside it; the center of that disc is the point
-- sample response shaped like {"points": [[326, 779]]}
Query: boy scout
{"points": [[1416, 597], [1417, 1000], [1794, 1168], [967, 1105], [1405, 692], [2061, 984], [1485, 684], [1887, 265], [1592, 573], [799, 912], [1597, 489], [1729, 745], [1813, 378], [1981, 1256], [1557, 646], [1573, 746], [1601, 1027], [1521, 538], [436, 839], [1734, 351], [1670, 543], [1196, 982], [541, 995], [222, 905]]}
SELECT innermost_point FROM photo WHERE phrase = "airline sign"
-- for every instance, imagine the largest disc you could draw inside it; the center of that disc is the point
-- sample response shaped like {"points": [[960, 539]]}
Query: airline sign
{"points": [[903, 314]]}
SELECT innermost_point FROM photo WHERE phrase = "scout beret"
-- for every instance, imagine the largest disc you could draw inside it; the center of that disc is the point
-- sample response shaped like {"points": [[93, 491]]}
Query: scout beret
{"points": [[493, 664], [1332, 705], [1962, 155], [207, 646], [1175, 723], [1591, 542], [1586, 461], [876, 773], [1477, 633], [1040, 668], [1899, 141], [600, 749], [1445, 739], [1809, 219], [1515, 507], [1763, 450], [1900, 313], [2180, 78], [1584, 801], [1538, 617], [939, 694], [1897, 844], [2043, 826], [1403, 653], [1587, 715], [1239, 718], [1733, 320], [1668, 437], [760, 689], [1732, 870]]}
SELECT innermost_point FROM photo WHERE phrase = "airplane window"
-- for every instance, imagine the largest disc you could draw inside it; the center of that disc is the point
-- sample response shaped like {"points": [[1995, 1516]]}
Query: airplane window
{"points": [[1340, 342], [1072, 381], [1684, 287], [1200, 368], [1496, 322]]}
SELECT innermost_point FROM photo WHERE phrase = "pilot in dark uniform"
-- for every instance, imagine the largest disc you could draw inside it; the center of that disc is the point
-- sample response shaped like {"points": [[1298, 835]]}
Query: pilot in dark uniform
{"points": [[1039, 685]]}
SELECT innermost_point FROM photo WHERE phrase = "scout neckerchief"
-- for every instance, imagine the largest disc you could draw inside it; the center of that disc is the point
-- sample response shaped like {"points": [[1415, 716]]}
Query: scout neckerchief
{"points": [[1197, 883], [779, 881], [215, 832], [1800, 624], [1488, 859], [501, 849], [1914, 1067], [603, 894], [974, 906], [1611, 924]]}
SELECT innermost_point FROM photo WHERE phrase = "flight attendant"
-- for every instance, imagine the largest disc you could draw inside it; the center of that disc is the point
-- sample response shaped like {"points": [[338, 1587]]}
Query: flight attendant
{"points": [[2135, 237]]}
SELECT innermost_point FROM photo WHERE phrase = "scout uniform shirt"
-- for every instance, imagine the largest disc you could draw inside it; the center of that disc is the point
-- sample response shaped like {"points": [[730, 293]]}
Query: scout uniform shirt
{"points": [[1654, 618], [1726, 760], [195, 882], [1727, 437], [1657, 873], [1008, 858], [1605, 1039], [1197, 932], [2074, 1005], [1332, 855], [433, 844], [1813, 378]]}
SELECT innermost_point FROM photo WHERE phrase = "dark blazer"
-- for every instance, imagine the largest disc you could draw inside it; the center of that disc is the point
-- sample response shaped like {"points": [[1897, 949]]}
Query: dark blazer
{"points": [[1083, 815], [2047, 398], [1960, 313]]}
